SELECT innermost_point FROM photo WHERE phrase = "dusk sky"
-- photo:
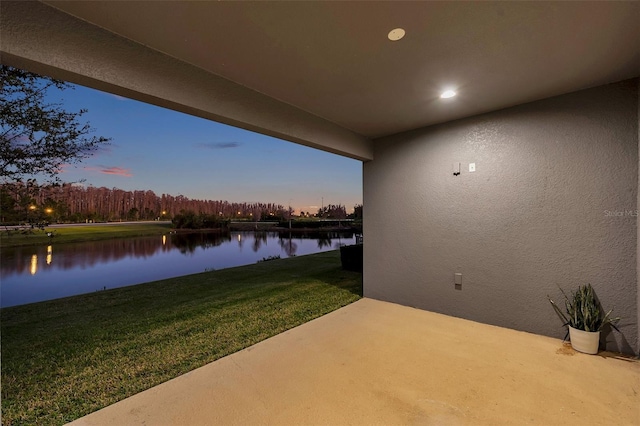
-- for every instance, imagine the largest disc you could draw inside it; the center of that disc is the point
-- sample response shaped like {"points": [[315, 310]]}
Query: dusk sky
{"points": [[173, 153]]}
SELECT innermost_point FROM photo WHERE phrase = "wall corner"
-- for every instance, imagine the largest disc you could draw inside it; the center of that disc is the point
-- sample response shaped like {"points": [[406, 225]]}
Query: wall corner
{"points": [[637, 349]]}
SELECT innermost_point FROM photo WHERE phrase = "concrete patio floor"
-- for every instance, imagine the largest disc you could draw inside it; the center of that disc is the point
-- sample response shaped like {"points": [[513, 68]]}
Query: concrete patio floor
{"points": [[374, 362]]}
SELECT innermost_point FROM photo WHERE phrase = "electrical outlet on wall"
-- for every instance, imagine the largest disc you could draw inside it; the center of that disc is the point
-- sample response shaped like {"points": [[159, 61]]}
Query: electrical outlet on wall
{"points": [[472, 167]]}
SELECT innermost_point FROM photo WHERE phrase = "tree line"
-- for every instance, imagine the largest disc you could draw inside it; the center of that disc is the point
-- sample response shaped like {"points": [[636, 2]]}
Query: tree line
{"points": [[29, 202], [38, 137]]}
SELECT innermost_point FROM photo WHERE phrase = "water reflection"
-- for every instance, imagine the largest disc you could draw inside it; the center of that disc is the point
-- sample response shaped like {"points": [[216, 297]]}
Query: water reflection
{"points": [[259, 238], [31, 274], [324, 242], [288, 246], [34, 264], [189, 243]]}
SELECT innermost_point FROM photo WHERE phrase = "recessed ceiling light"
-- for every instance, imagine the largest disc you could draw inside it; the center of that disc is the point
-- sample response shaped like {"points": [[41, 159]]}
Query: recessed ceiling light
{"points": [[395, 35], [448, 94]]}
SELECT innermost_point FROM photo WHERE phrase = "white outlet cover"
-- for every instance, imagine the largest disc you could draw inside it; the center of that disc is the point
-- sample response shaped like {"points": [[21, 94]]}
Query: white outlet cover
{"points": [[472, 167]]}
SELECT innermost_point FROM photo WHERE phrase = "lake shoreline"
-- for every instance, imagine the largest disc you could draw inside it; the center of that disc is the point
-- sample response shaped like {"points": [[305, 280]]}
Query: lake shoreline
{"points": [[76, 233], [11, 238], [271, 228], [32, 273]]}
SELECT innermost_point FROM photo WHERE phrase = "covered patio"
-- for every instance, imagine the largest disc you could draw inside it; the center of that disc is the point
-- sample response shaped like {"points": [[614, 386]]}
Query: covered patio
{"points": [[543, 131], [375, 362], [524, 182]]}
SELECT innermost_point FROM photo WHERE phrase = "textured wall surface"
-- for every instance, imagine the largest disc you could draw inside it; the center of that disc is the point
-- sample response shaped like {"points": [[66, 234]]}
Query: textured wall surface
{"points": [[552, 203]]}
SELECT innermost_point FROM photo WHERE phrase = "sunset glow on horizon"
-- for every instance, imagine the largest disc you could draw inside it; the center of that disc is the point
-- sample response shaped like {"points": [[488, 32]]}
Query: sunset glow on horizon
{"points": [[168, 152]]}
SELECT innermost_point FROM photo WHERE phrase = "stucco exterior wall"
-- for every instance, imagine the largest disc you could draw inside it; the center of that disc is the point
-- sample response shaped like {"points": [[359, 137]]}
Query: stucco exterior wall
{"points": [[552, 203]]}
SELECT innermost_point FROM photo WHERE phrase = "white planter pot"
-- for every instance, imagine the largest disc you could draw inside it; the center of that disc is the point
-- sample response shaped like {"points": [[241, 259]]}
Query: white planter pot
{"points": [[584, 341]]}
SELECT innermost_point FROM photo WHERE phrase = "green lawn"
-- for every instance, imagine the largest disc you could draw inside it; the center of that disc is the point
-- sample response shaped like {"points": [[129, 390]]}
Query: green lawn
{"points": [[63, 359], [74, 234]]}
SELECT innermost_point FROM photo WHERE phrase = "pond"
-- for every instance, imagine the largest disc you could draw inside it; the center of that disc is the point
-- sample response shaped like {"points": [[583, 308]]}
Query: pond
{"points": [[34, 274]]}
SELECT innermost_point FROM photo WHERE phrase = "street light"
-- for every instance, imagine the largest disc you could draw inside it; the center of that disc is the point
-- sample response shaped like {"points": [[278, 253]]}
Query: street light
{"points": [[32, 208]]}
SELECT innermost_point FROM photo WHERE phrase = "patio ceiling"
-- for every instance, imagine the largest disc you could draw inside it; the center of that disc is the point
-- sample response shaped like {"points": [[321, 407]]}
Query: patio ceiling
{"points": [[332, 61]]}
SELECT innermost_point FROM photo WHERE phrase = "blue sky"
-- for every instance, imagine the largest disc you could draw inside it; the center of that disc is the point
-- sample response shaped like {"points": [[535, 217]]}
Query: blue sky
{"points": [[178, 154]]}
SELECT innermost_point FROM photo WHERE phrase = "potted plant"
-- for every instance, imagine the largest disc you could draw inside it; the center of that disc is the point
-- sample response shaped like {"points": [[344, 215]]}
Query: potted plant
{"points": [[585, 318]]}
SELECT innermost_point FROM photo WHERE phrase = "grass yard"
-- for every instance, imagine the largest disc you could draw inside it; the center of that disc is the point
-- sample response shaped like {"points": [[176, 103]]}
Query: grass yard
{"points": [[74, 234], [65, 358]]}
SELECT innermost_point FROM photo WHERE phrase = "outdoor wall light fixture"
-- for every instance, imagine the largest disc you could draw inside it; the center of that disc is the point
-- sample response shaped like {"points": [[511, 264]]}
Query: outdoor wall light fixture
{"points": [[448, 94], [396, 34]]}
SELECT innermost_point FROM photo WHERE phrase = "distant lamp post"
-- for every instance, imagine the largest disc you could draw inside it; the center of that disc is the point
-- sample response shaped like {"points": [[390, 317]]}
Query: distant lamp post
{"points": [[32, 209], [48, 210], [290, 213]]}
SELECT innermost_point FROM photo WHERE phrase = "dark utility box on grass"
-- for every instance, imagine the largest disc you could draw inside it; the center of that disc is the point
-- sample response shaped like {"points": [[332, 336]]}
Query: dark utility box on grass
{"points": [[351, 257]]}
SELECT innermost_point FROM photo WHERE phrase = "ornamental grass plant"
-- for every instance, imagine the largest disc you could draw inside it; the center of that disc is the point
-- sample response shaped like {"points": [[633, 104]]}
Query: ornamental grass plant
{"points": [[583, 310]]}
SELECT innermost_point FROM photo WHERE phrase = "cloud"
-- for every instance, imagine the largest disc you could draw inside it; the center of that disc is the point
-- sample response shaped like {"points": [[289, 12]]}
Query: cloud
{"points": [[116, 171], [64, 168], [218, 145], [111, 170]]}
